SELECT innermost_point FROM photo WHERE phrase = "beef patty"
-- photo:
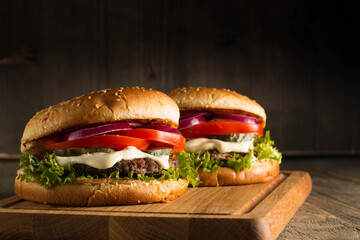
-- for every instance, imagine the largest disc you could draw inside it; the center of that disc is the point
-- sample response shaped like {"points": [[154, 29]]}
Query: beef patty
{"points": [[139, 166], [216, 155]]}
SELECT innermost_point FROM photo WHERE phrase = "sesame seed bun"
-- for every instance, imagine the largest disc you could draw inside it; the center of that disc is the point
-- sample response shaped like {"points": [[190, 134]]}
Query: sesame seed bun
{"points": [[226, 101], [261, 171], [99, 192], [217, 100], [105, 106]]}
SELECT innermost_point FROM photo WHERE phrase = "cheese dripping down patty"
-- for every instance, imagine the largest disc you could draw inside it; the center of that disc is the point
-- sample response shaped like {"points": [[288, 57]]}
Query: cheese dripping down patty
{"points": [[198, 145], [102, 160]]}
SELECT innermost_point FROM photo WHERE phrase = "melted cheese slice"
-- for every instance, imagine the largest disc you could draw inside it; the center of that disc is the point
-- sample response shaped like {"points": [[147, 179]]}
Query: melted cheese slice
{"points": [[107, 160], [205, 144]]}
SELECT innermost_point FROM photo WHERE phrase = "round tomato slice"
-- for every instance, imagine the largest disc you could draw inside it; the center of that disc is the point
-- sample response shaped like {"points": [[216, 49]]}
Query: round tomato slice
{"points": [[111, 141], [220, 127], [176, 141]]}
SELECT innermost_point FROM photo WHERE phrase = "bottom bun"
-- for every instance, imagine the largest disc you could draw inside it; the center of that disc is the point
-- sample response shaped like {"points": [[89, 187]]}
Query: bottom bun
{"points": [[97, 192], [260, 172]]}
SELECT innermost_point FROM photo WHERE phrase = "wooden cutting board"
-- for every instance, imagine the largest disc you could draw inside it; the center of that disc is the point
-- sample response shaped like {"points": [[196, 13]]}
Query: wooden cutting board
{"points": [[257, 211]]}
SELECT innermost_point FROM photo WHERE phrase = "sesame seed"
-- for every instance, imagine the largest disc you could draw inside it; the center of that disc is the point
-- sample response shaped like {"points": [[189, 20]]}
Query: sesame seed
{"points": [[78, 104], [118, 99], [116, 94], [97, 106], [89, 97]]}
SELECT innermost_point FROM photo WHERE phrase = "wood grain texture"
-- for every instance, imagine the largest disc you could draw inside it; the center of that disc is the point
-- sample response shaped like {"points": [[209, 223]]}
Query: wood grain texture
{"points": [[299, 61], [331, 211], [258, 211], [314, 223], [345, 219], [347, 213]]}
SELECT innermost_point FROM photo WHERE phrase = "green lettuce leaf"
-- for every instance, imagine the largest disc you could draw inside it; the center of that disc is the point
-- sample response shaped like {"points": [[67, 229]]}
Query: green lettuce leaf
{"points": [[187, 168], [264, 148], [47, 172], [240, 163]]}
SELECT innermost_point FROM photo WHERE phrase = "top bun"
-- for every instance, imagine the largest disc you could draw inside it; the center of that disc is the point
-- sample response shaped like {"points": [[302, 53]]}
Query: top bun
{"points": [[220, 100], [105, 106]]}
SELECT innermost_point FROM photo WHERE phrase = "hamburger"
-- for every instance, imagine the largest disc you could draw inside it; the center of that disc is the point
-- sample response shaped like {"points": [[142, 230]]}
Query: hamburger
{"points": [[225, 140], [111, 147]]}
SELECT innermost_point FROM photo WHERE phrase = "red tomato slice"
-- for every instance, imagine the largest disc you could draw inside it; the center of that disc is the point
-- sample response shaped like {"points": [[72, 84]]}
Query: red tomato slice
{"points": [[111, 141], [176, 141], [51, 140], [156, 146], [189, 135], [220, 127]]}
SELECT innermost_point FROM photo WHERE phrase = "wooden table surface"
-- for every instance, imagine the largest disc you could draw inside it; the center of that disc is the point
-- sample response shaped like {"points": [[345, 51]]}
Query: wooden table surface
{"points": [[332, 211]]}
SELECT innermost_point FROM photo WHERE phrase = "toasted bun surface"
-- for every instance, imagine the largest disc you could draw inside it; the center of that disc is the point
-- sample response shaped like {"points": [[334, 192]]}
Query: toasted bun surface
{"points": [[260, 172], [102, 192], [105, 106], [214, 99]]}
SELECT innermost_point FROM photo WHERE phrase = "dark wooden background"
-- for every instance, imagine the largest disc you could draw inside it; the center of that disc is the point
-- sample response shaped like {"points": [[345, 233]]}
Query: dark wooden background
{"points": [[298, 59]]}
